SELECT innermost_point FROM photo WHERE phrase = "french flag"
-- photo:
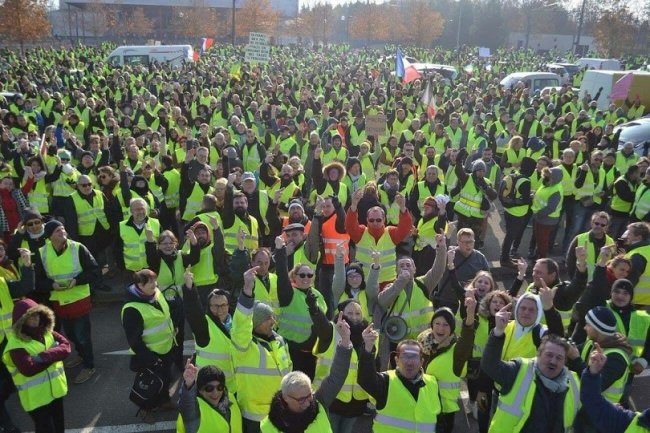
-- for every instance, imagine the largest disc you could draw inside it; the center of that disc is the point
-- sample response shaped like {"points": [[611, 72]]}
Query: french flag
{"points": [[206, 43], [428, 101], [404, 69]]}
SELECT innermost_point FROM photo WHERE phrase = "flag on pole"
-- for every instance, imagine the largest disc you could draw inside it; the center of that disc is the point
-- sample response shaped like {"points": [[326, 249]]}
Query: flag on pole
{"points": [[195, 56], [621, 88], [427, 100], [404, 69], [206, 43]]}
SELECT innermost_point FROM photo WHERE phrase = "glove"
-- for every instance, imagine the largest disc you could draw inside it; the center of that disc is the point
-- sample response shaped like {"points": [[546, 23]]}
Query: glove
{"points": [[311, 300]]}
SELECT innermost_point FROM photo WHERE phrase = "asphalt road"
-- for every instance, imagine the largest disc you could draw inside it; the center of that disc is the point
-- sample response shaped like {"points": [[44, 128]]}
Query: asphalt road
{"points": [[101, 405]]}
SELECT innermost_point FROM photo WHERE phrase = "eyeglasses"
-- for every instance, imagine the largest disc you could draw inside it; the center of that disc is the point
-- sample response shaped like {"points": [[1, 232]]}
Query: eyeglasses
{"points": [[306, 275], [33, 223], [211, 388], [375, 220], [302, 400]]}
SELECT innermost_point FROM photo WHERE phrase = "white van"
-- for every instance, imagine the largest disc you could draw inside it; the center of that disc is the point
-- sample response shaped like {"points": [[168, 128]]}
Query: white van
{"points": [[534, 81], [560, 71], [600, 64], [175, 55]]}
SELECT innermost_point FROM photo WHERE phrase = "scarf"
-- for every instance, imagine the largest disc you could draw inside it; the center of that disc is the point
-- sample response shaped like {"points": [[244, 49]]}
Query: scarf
{"points": [[289, 422], [557, 385], [21, 203], [135, 291]]}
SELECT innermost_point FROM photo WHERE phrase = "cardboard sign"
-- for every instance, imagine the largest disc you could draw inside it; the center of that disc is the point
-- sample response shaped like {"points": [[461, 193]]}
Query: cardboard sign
{"points": [[376, 125]]}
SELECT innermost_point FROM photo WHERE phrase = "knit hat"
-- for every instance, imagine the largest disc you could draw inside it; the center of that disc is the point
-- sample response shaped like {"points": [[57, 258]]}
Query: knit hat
{"points": [[85, 153], [208, 374], [478, 165], [527, 165], [50, 226], [31, 214], [430, 201], [261, 313], [446, 314], [602, 319], [623, 284], [296, 202]]}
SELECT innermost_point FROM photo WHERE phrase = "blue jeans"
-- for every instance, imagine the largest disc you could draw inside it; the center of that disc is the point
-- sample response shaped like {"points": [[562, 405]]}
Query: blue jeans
{"points": [[78, 331], [342, 424]]}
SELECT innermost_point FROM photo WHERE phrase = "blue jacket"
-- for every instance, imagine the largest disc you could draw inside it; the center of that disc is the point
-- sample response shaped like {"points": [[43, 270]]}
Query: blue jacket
{"points": [[605, 416]]}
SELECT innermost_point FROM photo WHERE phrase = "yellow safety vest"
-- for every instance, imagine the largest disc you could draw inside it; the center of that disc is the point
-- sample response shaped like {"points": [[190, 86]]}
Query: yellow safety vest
{"points": [[642, 288], [171, 277], [295, 322], [481, 337], [204, 274], [638, 328], [403, 413], [6, 310], [623, 163], [39, 197], [523, 347], [392, 209], [568, 180], [158, 333], [470, 201], [61, 187], [252, 235], [42, 388], [212, 421], [614, 393], [634, 426], [62, 269], [424, 193], [172, 194], [641, 205], [88, 215], [259, 365], [589, 188], [541, 197], [582, 240], [126, 208], [454, 136], [134, 252], [218, 352], [194, 201], [386, 247], [513, 156], [618, 204], [351, 388], [270, 296], [417, 313], [251, 157], [442, 368], [514, 407]]}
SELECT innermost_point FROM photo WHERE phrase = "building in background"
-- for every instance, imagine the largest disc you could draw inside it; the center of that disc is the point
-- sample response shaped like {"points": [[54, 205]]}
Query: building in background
{"points": [[543, 42]]}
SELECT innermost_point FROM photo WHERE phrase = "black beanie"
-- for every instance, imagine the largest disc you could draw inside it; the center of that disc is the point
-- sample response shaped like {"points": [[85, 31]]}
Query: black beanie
{"points": [[208, 374], [446, 314], [31, 214], [50, 226], [623, 284]]}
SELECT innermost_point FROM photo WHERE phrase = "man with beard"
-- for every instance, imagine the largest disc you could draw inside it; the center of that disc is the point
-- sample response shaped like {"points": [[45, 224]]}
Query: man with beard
{"points": [[257, 202], [328, 180], [282, 189], [235, 217], [296, 215], [211, 258], [433, 221]]}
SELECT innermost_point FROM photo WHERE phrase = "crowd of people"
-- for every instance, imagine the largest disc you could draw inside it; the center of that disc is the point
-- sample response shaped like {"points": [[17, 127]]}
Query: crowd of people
{"points": [[326, 274]]}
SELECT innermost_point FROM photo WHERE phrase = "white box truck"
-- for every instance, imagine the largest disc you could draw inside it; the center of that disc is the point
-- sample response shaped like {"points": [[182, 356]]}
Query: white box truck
{"points": [[600, 64], [175, 55], [594, 80]]}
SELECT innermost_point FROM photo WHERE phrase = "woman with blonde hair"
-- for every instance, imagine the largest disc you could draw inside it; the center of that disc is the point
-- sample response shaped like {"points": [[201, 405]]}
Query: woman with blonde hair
{"points": [[513, 155]]}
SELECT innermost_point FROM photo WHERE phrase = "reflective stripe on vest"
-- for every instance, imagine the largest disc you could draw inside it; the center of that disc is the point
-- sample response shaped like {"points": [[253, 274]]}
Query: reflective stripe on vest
{"points": [[62, 269], [251, 241], [642, 288], [385, 246], [470, 201]]}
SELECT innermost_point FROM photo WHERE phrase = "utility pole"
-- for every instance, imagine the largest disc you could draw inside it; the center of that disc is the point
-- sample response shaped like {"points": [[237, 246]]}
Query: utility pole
{"points": [[232, 27], [580, 23]]}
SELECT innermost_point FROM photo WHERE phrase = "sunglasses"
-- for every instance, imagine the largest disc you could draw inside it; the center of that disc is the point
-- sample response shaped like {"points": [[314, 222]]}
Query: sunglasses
{"points": [[375, 220], [306, 275], [34, 223], [211, 388]]}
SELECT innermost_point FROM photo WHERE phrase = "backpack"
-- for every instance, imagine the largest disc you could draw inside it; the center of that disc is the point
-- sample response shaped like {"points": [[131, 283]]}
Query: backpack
{"points": [[508, 190], [147, 388]]}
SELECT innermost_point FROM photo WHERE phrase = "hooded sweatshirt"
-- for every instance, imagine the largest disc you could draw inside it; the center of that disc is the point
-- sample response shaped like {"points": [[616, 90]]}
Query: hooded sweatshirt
{"points": [[26, 364], [521, 330], [542, 216]]}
